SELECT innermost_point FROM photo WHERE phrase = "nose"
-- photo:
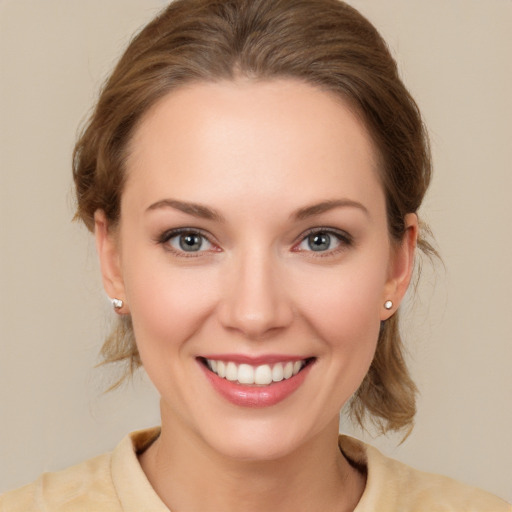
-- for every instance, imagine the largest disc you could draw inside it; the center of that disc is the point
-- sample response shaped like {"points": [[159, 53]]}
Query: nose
{"points": [[254, 299]]}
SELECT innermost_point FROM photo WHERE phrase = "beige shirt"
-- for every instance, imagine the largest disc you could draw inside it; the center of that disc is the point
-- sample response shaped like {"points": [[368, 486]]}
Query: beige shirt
{"points": [[115, 482]]}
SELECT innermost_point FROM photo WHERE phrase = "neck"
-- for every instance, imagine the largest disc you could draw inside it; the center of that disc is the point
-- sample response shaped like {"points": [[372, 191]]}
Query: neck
{"points": [[189, 475]]}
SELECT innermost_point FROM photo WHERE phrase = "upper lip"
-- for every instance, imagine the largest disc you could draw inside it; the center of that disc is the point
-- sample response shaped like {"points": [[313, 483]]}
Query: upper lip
{"points": [[255, 360]]}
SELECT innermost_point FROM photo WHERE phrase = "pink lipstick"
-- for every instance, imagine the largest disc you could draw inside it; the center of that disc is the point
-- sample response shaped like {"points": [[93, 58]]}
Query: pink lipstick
{"points": [[255, 382]]}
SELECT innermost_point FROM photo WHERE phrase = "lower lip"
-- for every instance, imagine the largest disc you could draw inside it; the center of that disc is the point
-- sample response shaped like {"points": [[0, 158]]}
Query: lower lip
{"points": [[255, 396]]}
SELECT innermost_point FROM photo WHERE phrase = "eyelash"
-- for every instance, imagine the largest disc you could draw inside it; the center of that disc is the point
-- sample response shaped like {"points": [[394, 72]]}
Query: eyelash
{"points": [[344, 239], [166, 236]]}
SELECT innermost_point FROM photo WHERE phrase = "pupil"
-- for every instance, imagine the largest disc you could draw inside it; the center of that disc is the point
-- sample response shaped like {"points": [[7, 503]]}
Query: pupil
{"points": [[319, 241], [190, 242]]}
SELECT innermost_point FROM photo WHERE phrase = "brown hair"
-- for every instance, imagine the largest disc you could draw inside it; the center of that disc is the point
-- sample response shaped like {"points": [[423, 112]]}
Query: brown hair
{"points": [[325, 43]]}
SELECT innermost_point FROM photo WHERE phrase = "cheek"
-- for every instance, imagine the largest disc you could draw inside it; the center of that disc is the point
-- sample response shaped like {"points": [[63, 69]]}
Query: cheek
{"points": [[167, 305], [345, 305], [341, 307]]}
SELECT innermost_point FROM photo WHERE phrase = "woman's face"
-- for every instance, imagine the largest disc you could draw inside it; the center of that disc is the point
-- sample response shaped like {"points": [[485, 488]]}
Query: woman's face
{"points": [[253, 245]]}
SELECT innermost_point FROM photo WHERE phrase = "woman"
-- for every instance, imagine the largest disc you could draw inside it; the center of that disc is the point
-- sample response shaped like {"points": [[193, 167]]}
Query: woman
{"points": [[252, 174]]}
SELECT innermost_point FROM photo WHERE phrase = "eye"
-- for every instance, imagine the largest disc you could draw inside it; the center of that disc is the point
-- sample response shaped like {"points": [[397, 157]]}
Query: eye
{"points": [[324, 240], [186, 241]]}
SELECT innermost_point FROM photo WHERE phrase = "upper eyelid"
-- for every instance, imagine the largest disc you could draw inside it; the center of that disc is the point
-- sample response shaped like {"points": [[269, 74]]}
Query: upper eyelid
{"points": [[171, 233], [329, 230]]}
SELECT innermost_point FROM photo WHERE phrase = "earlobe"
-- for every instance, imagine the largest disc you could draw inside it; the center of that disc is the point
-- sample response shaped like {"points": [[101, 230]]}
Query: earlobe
{"points": [[110, 261], [401, 267]]}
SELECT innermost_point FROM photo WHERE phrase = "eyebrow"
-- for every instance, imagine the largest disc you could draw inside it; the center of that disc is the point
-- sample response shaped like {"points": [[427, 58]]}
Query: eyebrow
{"points": [[194, 209], [325, 206], [205, 212]]}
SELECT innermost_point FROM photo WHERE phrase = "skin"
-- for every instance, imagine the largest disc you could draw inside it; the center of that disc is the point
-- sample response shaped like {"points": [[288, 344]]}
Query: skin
{"points": [[256, 153]]}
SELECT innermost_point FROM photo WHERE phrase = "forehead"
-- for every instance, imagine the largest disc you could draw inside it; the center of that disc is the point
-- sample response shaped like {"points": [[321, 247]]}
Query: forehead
{"points": [[274, 140]]}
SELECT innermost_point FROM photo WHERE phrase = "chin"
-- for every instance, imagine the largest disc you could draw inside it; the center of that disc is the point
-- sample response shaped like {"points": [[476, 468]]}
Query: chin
{"points": [[258, 440], [256, 448]]}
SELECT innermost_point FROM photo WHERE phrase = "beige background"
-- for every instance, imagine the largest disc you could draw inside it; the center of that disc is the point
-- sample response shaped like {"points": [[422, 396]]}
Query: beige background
{"points": [[456, 57]]}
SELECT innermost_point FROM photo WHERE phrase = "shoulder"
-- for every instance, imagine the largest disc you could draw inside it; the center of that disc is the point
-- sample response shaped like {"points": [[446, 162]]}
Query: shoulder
{"points": [[394, 486], [79, 487], [111, 482]]}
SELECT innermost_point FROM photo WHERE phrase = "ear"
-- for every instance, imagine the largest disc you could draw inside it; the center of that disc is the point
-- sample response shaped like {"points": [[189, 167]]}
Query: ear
{"points": [[401, 266], [110, 261]]}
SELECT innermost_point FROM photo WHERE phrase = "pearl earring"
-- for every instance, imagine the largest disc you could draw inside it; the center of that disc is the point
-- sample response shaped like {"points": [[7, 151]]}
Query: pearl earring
{"points": [[388, 304], [117, 303]]}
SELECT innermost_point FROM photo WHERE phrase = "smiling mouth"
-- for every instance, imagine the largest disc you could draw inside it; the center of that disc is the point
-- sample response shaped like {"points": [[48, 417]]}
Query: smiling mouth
{"points": [[260, 375]]}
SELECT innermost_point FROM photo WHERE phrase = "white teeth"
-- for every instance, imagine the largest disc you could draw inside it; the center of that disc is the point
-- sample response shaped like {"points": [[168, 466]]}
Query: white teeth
{"points": [[277, 372], [245, 374], [221, 368], [288, 370], [261, 375], [231, 371]]}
